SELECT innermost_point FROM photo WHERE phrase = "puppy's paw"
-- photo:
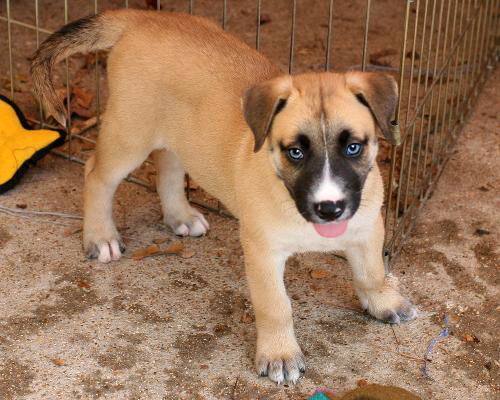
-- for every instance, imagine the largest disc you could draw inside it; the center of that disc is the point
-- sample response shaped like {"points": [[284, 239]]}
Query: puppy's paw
{"points": [[281, 364], [387, 305], [104, 250], [189, 223]]}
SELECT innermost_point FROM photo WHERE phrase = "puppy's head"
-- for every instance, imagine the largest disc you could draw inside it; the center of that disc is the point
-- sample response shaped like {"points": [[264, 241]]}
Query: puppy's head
{"points": [[320, 132]]}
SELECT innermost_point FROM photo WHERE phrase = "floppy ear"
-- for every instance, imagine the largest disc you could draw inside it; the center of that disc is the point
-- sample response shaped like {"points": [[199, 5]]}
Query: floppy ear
{"points": [[262, 102], [378, 92]]}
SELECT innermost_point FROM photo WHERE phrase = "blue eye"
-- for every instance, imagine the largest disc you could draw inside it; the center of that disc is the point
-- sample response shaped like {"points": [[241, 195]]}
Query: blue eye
{"points": [[295, 154], [353, 149]]}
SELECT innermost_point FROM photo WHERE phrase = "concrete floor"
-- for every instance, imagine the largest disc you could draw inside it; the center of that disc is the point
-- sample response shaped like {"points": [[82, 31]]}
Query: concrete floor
{"points": [[180, 326]]}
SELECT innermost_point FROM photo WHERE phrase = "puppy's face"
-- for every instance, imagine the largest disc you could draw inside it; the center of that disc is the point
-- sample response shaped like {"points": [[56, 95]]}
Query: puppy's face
{"points": [[322, 139]]}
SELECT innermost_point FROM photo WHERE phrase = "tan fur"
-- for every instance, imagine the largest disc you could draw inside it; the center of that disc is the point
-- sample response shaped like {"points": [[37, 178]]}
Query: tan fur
{"points": [[177, 84]]}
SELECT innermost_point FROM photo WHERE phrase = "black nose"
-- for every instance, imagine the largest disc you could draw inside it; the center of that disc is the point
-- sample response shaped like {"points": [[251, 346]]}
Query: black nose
{"points": [[329, 210]]}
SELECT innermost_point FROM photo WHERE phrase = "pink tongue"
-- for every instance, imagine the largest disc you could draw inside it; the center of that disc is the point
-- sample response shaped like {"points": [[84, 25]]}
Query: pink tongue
{"points": [[331, 230]]}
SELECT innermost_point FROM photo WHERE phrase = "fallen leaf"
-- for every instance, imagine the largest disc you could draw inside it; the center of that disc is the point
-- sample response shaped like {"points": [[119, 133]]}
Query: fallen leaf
{"points": [[72, 230], [160, 240], [265, 19], [22, 206], [471, 338], [151, 178], [81, 283], [246, 317], [376, 58], [82, 97], [79, 127], [146, 252], [409, 54], [192, 185], [80, 111], [152, 4], [319, 274], [315, 287], [57, 361], [187, 254], [175, 248]]}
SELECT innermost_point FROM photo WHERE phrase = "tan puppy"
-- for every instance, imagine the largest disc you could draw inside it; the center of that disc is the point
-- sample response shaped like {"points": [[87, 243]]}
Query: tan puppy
{"points": [[293, 157]]}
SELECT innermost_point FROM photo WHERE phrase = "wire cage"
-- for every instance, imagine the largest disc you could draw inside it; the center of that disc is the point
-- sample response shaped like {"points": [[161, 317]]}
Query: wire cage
{"points": [[440, 51]]}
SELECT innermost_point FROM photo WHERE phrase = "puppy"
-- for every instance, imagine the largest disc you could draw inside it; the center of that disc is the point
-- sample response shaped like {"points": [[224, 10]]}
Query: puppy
{"points": [[292, 157]]}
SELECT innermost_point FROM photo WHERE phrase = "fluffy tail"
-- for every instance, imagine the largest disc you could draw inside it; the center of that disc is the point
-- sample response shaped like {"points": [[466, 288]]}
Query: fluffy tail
{"points": [[91, 33]]}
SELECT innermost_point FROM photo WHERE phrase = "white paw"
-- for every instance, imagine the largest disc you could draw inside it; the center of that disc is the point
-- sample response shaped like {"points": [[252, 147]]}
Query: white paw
{"points": [[281, 368], [387, 305], [194, 224], [104, 250]]}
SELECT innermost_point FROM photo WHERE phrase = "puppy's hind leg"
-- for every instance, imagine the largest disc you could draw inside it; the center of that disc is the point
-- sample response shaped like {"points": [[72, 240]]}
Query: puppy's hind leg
{"points": [[178, 214], [103, 172]]}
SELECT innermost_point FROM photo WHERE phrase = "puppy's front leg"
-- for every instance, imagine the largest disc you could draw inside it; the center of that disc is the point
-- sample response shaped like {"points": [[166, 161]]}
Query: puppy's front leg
{"points": [[376, 294], [278, 354]]}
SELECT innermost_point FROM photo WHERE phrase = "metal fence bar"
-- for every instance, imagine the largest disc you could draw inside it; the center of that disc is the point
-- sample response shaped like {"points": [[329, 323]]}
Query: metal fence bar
{"points": [[460, 82], [257, 30], [437, 121], [397, 119], [446, 110], [68, 87], [9, 39], [329, 36], [408, 106], [224, 14], [97, 76], [396, 215], [13, 21], [428, 175], [37, 35], [292, 37], [417, 101], [365, 38], [456, 100]]}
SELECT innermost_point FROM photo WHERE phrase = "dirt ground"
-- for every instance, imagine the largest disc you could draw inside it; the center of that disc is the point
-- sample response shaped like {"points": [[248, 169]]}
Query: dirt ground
{"points": [[181, 326]]}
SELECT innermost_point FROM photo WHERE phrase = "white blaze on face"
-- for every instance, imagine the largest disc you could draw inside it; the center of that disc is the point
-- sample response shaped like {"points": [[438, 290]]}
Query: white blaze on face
{"points": [[328, 189]]}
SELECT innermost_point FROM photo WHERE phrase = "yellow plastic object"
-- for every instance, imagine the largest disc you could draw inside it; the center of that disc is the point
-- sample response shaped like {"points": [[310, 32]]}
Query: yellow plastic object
{"points": [[21, 146]]}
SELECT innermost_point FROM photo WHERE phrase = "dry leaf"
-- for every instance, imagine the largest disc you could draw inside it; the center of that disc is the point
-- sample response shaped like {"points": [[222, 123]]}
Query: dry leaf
{"points": [[175, 248], [265, 19], [81, 283], [152, 4], [471, 338], [72, 230], [82, 97], [160, 240], [151, 178], [79, 127], [319, 273], [193, 185], [146, 252], [22, 206], [80, 111], [376, 58], [58, 362], [187, 254], [315, 287], [246, 317]]}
